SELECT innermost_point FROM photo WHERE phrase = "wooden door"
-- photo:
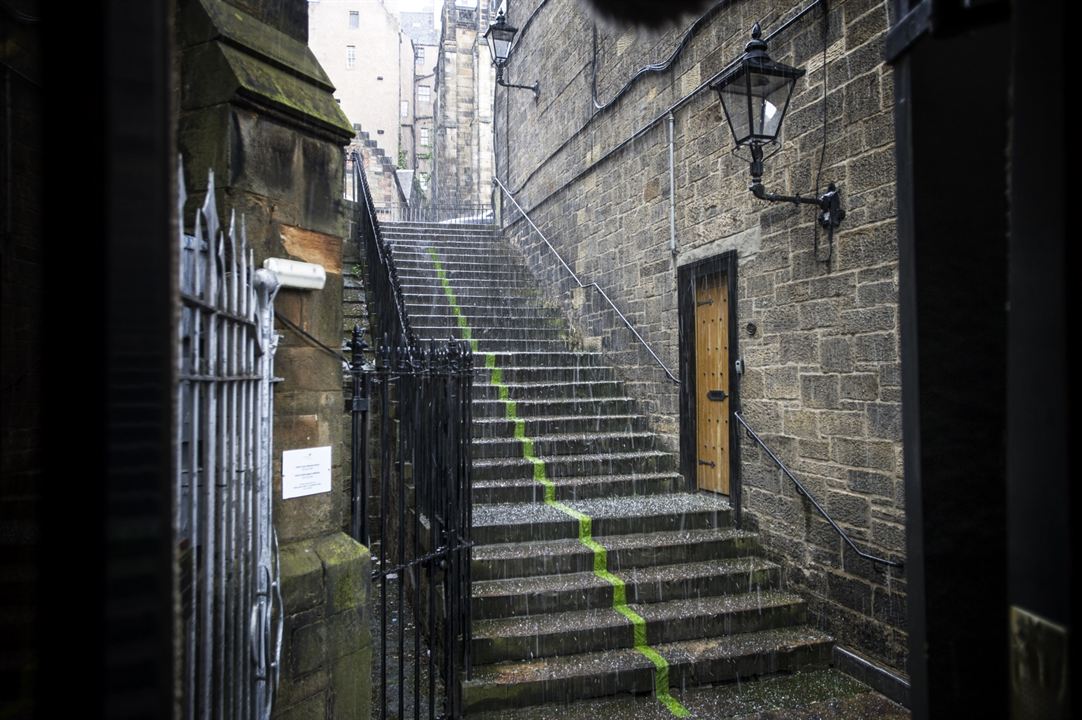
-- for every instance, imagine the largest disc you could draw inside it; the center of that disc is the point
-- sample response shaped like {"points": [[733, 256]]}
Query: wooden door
{"points": [[712, 401]]}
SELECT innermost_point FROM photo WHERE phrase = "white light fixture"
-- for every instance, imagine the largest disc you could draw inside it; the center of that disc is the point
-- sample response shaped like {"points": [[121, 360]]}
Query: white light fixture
{"points": [[297, 274]]}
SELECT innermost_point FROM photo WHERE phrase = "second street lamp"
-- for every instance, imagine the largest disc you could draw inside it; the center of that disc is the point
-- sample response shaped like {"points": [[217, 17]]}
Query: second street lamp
{"points": [[500, 35]]}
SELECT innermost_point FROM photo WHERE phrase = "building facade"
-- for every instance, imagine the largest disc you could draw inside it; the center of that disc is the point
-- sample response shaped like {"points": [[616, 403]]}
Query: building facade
{"points": [[464, 81], [625, 163], [359, 45], [419, 27]]}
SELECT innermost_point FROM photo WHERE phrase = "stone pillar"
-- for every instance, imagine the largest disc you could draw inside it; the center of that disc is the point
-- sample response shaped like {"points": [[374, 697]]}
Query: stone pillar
{"points": [[257, 108]]}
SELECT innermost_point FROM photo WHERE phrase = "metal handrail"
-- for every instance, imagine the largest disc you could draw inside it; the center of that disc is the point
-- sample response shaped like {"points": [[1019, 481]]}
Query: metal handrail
{"points": [[585, 285], [382, 254], [806, 493]]}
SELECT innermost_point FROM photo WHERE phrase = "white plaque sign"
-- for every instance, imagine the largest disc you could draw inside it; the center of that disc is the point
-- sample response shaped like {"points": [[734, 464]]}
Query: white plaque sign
{"points": [[306, 472]]}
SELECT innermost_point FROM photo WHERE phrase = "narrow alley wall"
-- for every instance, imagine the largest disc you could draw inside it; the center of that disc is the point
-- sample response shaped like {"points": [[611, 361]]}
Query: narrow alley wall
{"points": [[822, 384]]}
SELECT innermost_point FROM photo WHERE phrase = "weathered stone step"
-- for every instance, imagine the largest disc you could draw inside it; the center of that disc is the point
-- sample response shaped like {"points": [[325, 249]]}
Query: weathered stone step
{"points": [[466, 278], [583, 631], [809, 694], [502, 427], [524, 596], [508, 523], [524, 317], [671, 547], [462, 245], [578, 488], [494, 333], [435, 301], [548, 358], [560, 466], [436, 228], [543, 345], [538, 408], [553, 445], [554, 374], [691, 662], [541, 390], [522, 288], [452, 261]]}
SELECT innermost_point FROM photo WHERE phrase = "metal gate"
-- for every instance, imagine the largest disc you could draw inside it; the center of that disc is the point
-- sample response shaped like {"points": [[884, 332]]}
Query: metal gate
{"points": [[232, 607]]}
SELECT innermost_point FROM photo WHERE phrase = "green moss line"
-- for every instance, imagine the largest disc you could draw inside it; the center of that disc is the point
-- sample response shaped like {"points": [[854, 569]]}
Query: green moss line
{"points": [[586, 537]]}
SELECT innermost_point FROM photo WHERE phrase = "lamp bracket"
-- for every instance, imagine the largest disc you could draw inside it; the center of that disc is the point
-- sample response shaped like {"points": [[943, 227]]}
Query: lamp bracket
{"points": [[536, 87]]}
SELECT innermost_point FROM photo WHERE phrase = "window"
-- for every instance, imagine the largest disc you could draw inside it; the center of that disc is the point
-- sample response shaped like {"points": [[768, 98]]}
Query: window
{"points": [[354, 19], [419, 55], [424, 93], [405, 108], [424, 136], [351, 56]]}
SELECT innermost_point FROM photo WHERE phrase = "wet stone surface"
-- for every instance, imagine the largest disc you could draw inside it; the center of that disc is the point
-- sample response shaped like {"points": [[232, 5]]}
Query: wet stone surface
{"points": [[403, 675], [817, 695]]}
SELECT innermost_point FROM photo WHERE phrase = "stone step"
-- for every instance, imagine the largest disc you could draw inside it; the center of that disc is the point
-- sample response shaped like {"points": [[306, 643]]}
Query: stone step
{"points": [[548, 358], [553, 374], [429, 228], [587, 407], [543, 390], [453, 261], [578, 488], [515, 522], [561, 466], [527, 596], [808, 694], [459, 269], [465, 278], [597, 629], [671, 547], [555, 445], [414, 284], [462, 245], [435, 301], [508, 345], [614, 672], [501, 427], [522, 319], [493, 333]]}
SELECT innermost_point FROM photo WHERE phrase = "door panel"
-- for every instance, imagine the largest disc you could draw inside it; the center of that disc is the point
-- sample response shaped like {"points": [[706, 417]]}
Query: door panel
{"points": [[712, 401]]}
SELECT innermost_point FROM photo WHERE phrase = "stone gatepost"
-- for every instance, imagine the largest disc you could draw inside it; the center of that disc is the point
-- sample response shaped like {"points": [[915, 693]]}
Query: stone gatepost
{"points": [[257, 108]]}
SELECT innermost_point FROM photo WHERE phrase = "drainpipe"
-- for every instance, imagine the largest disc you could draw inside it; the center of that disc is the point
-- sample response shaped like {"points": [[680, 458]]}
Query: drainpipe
{"points": [[672, 187]]}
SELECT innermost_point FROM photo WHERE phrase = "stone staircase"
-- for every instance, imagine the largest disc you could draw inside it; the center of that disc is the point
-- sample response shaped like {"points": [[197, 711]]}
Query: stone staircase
{"points": [[596, 571]]}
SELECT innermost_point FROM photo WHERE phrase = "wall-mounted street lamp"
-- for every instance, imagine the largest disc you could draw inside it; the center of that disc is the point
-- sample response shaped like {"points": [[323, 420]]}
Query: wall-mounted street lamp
{"points": [[500, 35], [755, 94]]}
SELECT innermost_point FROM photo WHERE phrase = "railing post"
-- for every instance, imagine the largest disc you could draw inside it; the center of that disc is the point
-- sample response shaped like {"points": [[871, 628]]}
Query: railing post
{"points": [[358, 469]]}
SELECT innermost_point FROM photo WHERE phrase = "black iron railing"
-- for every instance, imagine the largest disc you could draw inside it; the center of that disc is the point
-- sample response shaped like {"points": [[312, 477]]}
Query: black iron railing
{"points": [[444, 214], [414, 511], [384, 290], [811, 498]]}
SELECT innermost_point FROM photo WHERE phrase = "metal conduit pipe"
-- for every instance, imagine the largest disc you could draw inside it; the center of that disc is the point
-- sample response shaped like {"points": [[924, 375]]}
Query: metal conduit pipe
{"points": [[672, 184]]}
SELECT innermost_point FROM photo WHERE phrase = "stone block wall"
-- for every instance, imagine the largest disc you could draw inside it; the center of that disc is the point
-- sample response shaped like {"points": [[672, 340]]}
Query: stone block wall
{"points": [[822, 384], [327, 643], [275, 142]]}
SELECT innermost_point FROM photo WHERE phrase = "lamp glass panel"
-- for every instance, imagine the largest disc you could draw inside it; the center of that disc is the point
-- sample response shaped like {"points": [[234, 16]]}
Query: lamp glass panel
{"points": [[734, 99], [770, 97], [499, 44]]}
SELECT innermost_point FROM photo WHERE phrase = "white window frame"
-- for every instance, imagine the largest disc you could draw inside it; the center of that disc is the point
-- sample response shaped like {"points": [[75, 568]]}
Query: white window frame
{"points": [[351, 57]]}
